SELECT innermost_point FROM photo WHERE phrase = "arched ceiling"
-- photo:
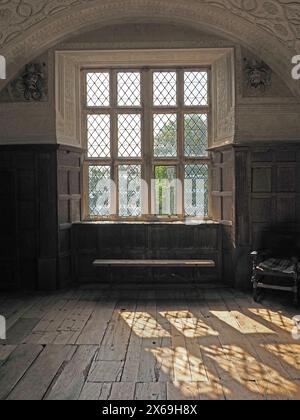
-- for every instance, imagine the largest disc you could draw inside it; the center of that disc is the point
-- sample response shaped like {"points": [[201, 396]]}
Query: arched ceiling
{"points": [[269, 28]]}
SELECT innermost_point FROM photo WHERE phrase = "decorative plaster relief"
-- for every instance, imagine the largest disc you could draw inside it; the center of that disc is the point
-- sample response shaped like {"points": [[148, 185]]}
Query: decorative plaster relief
{"points": [[30, 86], [18, 16], [278, 17], [257, 76], [29, 27], [260, 81]]}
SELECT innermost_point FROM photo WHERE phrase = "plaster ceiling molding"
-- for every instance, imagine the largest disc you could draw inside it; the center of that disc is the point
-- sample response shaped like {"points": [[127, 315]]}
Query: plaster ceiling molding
{"points": [[29, 27], [281, 18]]}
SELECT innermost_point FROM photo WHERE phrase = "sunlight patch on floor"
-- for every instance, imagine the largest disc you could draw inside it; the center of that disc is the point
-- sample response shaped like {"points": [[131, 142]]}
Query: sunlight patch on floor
{"points": [[144, 325], [183, 390], [180, 364], [288, 353], [199, 368], [275, 318], [243, 368], [188, 325], [241, 323], [212, 390]]}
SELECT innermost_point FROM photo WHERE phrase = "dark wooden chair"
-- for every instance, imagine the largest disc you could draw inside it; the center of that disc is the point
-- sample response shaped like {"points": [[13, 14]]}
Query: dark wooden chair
{"points": [[277, 266]]}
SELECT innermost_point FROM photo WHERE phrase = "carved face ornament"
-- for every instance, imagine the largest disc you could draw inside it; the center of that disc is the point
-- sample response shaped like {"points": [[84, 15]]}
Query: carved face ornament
{"points": [[258, 74], [32, 80]]}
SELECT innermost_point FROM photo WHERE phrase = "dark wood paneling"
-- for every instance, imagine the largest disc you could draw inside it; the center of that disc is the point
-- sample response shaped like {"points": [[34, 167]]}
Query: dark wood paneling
{"points": [[222, 204], [163, 241], [222, 181], [8, 240], [28, 217], [40, 195], [262, 179], [242, 199], [265, 198], [255, 192], [275, 208], [69, 209], [272, 203]]}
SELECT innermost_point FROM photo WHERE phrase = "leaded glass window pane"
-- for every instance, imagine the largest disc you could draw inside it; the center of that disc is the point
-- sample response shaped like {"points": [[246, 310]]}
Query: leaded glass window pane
{"points": [[195, 88], [165, 135], [99, 190], [165, 190], [195, 135], [164, 88], [130, 190], [196, 190], [98, 132], [129, 135], [98, 89], [129, 89]]}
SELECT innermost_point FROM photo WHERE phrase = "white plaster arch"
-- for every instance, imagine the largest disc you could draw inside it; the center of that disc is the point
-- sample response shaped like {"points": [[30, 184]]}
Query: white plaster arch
{"points": [[264, 27]]}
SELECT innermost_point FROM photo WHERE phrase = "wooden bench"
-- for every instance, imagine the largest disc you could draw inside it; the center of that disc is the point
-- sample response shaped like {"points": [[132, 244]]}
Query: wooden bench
{"points": [[149, 263], [155, 263]]}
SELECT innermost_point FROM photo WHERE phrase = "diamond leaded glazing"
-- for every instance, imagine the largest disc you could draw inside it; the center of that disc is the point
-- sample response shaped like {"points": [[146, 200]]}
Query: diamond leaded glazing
{"points": [[164, 88], [141, 122], [196, 190], [98, 132], [129, 135], [195, 135], [195, 88], [165, 135], [99, 191], [130, 190], [98, 89], [165, 190], [129, 89]]}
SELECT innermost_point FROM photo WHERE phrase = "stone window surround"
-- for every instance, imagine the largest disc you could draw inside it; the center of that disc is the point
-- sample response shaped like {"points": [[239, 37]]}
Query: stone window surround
{"points": [[69, 66]]}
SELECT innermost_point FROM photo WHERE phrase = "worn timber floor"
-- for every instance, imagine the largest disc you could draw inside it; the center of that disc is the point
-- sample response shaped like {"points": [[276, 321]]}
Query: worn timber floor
{"points": [[175, 343]]}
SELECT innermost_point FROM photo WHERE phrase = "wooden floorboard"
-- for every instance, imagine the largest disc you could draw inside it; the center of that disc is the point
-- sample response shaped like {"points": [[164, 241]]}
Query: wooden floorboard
{"points": [[178, 342], [5, 351], [12, 371], [37, 379], [72, 378]]}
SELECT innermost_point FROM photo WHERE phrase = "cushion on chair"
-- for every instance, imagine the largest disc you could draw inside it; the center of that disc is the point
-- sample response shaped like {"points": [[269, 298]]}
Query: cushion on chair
{"points": [[277, 265]]}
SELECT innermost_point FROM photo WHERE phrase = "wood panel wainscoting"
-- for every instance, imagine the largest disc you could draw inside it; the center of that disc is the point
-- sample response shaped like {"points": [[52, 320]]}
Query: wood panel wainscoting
{"points": [[256, 192], [268, 192], [45, 246], [147, 241], [28, 218], [222, 204], [40, 198], [69, 209]]}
